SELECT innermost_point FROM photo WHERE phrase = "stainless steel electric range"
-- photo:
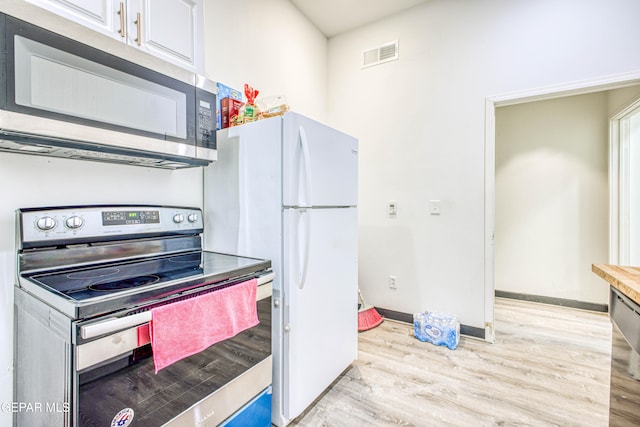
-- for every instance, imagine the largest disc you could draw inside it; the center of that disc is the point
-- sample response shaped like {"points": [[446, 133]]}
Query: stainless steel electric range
{"points": [[88, 281]]}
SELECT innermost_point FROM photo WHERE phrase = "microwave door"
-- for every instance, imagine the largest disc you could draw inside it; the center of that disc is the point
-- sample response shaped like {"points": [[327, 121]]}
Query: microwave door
{"points": [[68, 93]]}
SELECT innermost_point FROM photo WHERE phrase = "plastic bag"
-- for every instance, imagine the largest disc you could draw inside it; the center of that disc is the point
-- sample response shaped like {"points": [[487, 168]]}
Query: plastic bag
{"points": [[437, 328], [249, 112], [274, 105]]}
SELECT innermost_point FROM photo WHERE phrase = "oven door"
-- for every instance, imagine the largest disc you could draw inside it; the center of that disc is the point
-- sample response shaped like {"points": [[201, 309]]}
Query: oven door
{"points": [[115, 377]]}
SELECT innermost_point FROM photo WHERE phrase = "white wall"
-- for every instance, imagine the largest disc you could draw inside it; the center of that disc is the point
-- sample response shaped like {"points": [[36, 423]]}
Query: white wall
{"points": [[618, 99], [421, 121], [552, 197], [271, 46]]}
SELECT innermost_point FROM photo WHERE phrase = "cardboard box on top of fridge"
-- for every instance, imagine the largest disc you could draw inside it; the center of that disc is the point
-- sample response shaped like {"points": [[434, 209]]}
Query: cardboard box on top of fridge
{"points": [[229, 110], [225, 91]]}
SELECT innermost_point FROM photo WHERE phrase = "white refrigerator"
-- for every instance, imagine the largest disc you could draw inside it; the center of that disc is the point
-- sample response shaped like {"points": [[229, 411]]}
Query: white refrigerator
{"points": [[286, 189]]}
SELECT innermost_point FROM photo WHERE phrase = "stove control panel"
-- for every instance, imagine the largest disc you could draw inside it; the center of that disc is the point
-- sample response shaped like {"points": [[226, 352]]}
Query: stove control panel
{"points": [[39, 227]]}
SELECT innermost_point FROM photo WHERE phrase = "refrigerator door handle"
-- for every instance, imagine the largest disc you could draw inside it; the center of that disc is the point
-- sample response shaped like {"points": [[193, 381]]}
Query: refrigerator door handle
{"points": [[304, 143], [307, 248]]}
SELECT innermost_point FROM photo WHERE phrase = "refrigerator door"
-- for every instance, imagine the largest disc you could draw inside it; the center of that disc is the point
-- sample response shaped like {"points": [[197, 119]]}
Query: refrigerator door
{"points": [[320, 302], [320, 164]]}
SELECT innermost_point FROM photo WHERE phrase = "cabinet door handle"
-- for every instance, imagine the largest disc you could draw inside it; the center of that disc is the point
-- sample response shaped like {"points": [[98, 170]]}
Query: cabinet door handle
{"points": [[123, 30], [138, 23]]}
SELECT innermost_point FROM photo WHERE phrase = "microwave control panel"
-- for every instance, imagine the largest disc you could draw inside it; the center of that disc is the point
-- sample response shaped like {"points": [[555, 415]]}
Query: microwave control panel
{"points": [[206, 119]]}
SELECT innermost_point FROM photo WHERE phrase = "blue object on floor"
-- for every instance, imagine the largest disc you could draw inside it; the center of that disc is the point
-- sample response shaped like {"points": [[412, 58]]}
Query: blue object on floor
{"points": [[437, 328], [256, 413]]}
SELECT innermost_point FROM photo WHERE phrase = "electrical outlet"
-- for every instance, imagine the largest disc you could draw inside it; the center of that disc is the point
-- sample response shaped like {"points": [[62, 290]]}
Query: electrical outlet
{"points": [[393, 282]]}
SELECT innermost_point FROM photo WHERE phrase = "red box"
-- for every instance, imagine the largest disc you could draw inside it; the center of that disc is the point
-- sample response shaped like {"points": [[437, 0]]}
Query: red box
{"points": [[229, 109]]}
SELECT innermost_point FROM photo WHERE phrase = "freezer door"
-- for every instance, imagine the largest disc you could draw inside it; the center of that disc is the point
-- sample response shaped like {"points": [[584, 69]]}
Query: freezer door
{"points": [[320, 164], [320, 302]]}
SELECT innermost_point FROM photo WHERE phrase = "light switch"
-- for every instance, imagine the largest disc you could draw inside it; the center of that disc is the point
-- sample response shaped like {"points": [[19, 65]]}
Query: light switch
{"points": [[434, 207], [392, 207]]}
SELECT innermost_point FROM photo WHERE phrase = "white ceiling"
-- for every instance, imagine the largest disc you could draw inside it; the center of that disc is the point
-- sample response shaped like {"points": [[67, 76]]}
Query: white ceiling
{"points": [[333, 17]]}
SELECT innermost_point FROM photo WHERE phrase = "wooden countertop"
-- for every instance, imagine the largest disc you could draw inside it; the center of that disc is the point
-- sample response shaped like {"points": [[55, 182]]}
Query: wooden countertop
{"points": [[625, 279]]}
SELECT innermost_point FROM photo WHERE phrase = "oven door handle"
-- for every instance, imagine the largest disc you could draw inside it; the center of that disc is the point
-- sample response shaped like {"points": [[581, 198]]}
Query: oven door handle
{"points": [[112, 325], [266, 278], [265, 286], [108, 326]]}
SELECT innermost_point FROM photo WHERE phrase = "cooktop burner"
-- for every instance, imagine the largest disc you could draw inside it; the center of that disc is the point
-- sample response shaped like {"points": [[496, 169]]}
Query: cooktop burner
{"points": [[90, 274], [118, 283], [99, 281]]}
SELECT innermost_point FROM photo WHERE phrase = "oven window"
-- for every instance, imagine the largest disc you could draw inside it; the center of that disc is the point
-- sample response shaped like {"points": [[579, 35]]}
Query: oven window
{"points": [[156, 399]]}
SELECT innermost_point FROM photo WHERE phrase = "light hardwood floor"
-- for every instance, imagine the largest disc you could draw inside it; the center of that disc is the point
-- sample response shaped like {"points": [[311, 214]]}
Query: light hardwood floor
{"points": [[549, 366]]}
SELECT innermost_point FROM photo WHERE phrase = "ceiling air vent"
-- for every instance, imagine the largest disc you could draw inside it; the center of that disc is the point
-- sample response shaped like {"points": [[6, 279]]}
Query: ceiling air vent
{"points": [[380, 55]]}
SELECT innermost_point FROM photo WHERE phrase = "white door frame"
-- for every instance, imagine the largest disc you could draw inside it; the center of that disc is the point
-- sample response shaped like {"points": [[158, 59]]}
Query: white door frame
{"points": [[539, 94], [619, 182]]}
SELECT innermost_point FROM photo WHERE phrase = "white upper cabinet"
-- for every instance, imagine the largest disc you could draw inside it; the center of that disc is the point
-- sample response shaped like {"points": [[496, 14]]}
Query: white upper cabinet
{"points": [[167, 29], [100, 15]]}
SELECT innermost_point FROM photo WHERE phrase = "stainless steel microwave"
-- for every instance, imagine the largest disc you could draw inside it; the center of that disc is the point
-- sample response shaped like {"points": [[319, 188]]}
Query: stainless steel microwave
{"points": [[63, 98]]}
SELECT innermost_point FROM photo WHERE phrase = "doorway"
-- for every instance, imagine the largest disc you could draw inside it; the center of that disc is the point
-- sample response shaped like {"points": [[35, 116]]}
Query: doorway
{"points": [[625, 185], [552, 199], [491, 103]]}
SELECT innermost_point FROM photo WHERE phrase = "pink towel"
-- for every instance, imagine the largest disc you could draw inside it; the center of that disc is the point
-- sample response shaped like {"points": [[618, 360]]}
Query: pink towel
{"points": [[187, 327], [143, 335]]}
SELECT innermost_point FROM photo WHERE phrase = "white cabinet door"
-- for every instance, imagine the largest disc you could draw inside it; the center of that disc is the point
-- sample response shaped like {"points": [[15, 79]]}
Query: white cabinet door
{"points": [[99, 15], [165, 29], [168, 29]]}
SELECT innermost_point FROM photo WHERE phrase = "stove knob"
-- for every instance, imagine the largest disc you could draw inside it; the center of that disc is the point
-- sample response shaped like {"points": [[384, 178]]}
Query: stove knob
{"points": [[192, 217], [74, 222], [46, 223], [178, 218]]}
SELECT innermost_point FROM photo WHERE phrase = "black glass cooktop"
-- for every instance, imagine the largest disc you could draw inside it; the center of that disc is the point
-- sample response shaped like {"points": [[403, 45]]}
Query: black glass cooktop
{"points": [[95, 282], [104, 281]]}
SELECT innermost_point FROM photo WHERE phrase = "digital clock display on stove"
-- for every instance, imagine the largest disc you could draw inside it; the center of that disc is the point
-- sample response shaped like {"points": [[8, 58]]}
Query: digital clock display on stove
{"points": [[130, 217]]}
